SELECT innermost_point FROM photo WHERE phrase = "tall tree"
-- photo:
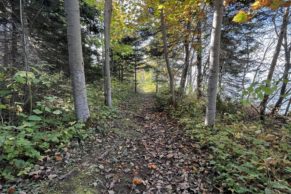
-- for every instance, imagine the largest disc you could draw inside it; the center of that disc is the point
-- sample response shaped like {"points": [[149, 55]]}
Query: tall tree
{"points": [[107, 78], [199, 60], [23, 22], [214, 63], [76, 59], [187, 61], [285, 79], [166, 56], [283, 29]]}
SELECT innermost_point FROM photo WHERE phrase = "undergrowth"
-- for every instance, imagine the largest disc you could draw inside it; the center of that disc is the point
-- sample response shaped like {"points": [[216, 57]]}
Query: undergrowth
{"points": [[27, 138], [247, 156]]}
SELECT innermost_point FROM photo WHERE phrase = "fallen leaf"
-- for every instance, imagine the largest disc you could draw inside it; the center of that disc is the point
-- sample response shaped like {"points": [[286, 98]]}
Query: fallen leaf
{"points": [[169, 156], [137, 181], [58, 158], [152, 166], [11, 190]]}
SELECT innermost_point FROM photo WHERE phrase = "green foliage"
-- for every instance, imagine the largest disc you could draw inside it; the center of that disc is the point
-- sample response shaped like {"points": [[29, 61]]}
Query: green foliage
{"points": [[258, 90], [241, 17], [248, 157], [24, 145], [24, 139], [51, 125]]}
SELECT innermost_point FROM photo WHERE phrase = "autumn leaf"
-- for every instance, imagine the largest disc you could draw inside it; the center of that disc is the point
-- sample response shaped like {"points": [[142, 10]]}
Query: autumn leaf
{"points": [[276, 4], [265, 2], [152, 166], [137, 181], [58, 156], [256, 5], [11, 190], [241, 17]]}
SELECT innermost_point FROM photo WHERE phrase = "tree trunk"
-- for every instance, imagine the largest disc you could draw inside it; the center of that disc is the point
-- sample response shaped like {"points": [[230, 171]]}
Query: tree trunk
{"points": [[287, 108], [24, 34], [274, 62], [14, 33], [76, 59], [185, 69], [165, 46], [157, 81], [199, 62], [284, 77], [186, 64], [246, 68], [107, 78], [214, 63], [135, 72], [6, 49]]}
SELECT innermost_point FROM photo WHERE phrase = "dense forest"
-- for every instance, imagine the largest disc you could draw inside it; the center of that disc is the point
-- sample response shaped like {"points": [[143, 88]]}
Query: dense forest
{"points": [[145, 96]]}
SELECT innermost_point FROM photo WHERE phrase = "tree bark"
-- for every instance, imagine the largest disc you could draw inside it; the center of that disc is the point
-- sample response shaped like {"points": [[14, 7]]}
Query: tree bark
{"points": [[185, 69], [287, 108], [214, 63], [264, 102], [186, 64], [24, 34], [135, 72], [76, 59], [14, 42], [107, 77], [165, 47], [199, 62], [6, 49], [246, 68], [285, 79]]}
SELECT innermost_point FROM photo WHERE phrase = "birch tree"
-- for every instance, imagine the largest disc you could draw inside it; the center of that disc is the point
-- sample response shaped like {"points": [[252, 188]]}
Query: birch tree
{"points": [[214, 63], [107, 78], [165, 47], [76, 59]]}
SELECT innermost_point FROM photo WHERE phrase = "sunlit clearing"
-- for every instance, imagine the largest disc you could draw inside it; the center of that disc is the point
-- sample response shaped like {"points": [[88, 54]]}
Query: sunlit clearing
{"points": [[145, 81]]}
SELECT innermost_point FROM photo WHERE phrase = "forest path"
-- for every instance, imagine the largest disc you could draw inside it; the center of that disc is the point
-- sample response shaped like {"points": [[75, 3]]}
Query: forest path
{"points": [[145, 151]]}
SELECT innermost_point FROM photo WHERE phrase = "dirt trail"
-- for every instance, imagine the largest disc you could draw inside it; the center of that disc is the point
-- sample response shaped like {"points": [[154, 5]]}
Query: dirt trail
{"points": [[144, 146]]}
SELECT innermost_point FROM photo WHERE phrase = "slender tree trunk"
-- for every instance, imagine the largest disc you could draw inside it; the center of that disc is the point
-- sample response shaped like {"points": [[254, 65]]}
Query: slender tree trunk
{"points": [[135, 72], [214, 63], [107, 77], [23, 22], [287, 108], [185, 69], [157, 80], [245, 71], [199, 62], [14, 42], [186, 64], [6, 49], [284, 77], [165, 46], [264, 102], [122, 73], [76, 59]]}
